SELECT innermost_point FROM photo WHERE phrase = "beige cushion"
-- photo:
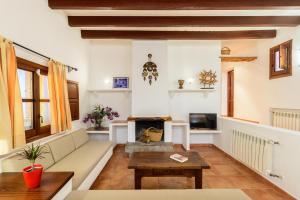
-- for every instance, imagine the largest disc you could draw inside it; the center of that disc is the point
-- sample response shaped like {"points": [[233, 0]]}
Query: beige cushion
{"points": [[80, 137], [205, 194], [82, 160], [15, 164], [62, 147]]}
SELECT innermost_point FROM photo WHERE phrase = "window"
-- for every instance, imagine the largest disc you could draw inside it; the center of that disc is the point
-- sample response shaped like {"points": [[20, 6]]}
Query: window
{"points": [[281, 60], [35, 98], [73, 99]]}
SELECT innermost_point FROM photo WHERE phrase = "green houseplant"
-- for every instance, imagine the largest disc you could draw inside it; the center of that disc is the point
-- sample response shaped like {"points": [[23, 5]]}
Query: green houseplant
{"points": [[32, 174], [98, 114]]}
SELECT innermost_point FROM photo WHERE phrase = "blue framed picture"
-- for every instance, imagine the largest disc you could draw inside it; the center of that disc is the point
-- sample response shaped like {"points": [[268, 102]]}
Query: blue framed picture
{"points": [[120, 82]]}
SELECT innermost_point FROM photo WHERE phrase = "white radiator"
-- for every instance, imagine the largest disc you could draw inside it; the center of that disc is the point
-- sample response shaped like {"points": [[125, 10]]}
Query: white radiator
{"points": [[254, 152], [286, 118]]}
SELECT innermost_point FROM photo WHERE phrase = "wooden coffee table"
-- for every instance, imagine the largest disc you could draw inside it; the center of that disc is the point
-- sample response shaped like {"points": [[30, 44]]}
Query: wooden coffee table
{"points": [[159, 164]]}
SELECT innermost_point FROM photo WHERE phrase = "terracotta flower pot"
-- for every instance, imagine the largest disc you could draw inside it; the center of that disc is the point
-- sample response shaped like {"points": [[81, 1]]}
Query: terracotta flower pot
{"points": [[33, 178]]}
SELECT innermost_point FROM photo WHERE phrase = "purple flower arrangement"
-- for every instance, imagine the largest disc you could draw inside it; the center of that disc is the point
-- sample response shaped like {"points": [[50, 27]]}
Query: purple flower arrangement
{"points": [[98, 114]]}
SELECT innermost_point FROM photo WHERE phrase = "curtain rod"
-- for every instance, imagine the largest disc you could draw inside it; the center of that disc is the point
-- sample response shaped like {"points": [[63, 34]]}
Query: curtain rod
{"points": [[37, 53]]}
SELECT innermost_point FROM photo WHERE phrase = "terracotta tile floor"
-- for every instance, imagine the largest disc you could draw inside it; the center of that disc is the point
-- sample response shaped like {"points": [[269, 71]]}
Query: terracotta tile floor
{"points": [[224, 173]]}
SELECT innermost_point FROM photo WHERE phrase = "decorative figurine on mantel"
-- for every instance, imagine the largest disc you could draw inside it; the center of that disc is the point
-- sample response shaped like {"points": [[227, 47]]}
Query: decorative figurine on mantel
{"points": [[208, 78], [150, 70], [180, 83]]}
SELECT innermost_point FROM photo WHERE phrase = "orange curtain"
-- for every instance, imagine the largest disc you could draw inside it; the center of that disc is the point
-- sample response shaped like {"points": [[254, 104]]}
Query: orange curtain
{"points": [[59, 101], [12, 132]]}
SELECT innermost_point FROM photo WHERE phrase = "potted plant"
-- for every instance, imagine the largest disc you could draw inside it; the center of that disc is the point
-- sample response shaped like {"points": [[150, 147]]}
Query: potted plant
{"points": [[98, 114], [33, 173]]}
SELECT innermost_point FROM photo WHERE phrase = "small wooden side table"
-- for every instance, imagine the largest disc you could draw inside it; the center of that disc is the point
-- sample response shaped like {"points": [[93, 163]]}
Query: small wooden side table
{"points": [[54, 185]]}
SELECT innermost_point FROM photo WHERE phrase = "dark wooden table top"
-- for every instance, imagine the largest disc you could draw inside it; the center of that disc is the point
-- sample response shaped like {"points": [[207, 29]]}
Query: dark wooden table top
{"points": [[162, 160], [12, 185]]}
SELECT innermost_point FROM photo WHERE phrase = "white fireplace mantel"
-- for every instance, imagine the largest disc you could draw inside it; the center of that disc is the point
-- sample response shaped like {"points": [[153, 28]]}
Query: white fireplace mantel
{"points": [[168, 130]]}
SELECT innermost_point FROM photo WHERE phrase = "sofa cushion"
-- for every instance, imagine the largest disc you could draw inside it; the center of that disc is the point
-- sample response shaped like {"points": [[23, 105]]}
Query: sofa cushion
{"points": [[80, 137], [62, 147], [207, 194], [82, 160], [15, 164]]}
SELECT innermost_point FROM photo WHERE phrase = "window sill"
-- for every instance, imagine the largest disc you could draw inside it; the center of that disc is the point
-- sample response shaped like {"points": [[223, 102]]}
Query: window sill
{"points": [[32, 139]]}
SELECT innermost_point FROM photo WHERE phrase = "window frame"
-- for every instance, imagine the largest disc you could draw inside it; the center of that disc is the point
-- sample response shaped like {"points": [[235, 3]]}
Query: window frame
{"points": [[286, 72], [38, 131]]}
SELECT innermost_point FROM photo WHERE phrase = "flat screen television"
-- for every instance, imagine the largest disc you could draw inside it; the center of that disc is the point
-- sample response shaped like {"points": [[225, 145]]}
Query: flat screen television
{"points": [[203, 121]]}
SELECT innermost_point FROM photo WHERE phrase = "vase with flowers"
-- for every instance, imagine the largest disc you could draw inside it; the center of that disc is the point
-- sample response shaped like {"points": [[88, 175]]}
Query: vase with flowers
{"points": [[98, 114]]}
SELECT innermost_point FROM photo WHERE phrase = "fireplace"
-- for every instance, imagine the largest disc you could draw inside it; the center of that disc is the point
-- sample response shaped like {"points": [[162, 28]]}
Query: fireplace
{"points": [[137, 125], [142, 125]]}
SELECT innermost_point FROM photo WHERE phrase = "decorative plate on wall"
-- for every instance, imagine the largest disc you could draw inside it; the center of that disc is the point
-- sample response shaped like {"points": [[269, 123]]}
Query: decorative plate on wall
{"points": [[150, 70]]}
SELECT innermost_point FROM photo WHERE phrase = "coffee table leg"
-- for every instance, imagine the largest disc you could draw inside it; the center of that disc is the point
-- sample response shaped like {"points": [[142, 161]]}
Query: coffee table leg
{"points": [[198, 179], [137, 180]]}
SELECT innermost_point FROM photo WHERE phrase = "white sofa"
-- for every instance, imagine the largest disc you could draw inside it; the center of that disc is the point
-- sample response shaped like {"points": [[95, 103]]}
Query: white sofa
{"points": [[73, 152], [204, 194]]}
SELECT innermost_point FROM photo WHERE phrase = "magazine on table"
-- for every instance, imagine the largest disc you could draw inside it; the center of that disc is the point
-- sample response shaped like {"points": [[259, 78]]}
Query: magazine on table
{"points": [[179, 158]]}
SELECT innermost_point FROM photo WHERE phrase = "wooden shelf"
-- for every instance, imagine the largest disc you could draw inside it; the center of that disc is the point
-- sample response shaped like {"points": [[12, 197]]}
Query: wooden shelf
{"points": [[119, 123], [104, 131], [204, 131], [180, 123], [191, 90], [237, 59], [110, 90]]}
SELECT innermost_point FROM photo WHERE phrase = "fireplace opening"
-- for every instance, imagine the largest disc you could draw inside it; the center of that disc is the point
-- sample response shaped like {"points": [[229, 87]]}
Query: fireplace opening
{"points": [[149, 130]]}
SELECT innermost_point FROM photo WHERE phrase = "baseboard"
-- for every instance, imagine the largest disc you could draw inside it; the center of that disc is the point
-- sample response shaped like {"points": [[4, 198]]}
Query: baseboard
{"points": [[237, 161]]}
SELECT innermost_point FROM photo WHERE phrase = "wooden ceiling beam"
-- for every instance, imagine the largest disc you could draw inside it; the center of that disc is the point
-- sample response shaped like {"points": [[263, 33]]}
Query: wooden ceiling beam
{"points": [[183, 21], [178, 35], [174, 4], [237, 59]]}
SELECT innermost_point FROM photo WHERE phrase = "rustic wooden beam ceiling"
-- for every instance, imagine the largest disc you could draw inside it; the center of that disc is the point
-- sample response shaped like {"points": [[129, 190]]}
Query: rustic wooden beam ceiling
{"points": [[174, 4], [178, 35], [183, 21]]}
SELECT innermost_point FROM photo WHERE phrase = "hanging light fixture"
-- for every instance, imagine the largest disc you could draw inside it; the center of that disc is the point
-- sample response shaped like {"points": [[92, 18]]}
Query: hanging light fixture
{"points": [[150, 70]]}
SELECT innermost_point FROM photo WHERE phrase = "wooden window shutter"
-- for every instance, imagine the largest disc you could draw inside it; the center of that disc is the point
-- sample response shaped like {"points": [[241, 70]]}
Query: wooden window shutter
{"points": [[73, 92]]}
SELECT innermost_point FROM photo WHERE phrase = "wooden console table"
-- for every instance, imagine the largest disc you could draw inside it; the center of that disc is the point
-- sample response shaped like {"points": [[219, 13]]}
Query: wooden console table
{"points": [[54, 185], [156, 164]]}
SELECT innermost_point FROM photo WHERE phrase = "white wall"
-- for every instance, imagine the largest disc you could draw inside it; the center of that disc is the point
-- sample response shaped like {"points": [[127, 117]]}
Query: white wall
{"points": [[108, 59], [186, 60], [175, 60], [285, 162], [255, 94], [150, 100], [33, 24]]}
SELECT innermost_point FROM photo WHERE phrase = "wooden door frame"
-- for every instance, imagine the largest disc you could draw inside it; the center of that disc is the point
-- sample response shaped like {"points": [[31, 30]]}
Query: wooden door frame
{"points": [[230, 93]]}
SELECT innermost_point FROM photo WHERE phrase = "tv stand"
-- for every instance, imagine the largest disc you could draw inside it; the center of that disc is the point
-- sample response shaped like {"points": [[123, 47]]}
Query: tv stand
{"points": [[204, 131]]}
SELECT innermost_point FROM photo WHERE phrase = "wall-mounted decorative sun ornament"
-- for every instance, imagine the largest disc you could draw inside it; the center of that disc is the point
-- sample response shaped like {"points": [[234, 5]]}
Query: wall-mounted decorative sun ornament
{"points": [[150, 70], [208, 78]]}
